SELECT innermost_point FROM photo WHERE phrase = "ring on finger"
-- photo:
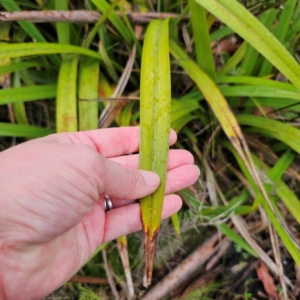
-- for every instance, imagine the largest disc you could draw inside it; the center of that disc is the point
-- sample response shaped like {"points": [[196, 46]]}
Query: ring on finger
{"points": [[107, 204]]}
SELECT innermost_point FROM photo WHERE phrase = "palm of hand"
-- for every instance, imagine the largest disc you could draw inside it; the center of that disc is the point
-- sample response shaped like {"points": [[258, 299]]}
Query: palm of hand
{"points": [[53, 219]]}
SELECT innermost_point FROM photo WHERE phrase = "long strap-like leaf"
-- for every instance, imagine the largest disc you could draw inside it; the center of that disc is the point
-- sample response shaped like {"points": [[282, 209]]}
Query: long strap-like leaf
{"points": [[155, 121], [66, 101]]}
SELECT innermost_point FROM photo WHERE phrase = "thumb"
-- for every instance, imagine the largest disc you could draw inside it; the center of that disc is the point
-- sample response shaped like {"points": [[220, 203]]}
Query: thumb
{"points": [[123, 183]]}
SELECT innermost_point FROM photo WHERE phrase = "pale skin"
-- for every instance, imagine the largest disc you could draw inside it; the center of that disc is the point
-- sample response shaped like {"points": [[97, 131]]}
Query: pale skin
{"points": [[52, 215]]}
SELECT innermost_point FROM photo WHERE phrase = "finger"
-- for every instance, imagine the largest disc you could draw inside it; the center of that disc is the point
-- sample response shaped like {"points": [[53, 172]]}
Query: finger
{"points": [[109, 142], [181, 178], [176, 159], [177, 179], [119, 182], [126, 219]]}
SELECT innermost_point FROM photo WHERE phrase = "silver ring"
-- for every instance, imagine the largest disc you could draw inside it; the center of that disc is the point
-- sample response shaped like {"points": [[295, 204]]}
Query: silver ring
{"points": [[107, 204]]}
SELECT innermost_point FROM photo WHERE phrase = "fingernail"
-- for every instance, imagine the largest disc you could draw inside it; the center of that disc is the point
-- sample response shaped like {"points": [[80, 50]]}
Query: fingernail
{"points": [[151, 179], [199, 172]]}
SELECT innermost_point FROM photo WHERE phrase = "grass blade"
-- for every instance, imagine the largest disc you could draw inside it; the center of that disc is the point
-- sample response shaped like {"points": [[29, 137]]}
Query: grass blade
{"points": [[249, 80], [155, 128], [273, 213], [88, 90], [176, 223], [103, 6], [66, 100], [251, 62], [278, 130], [19, 108], [63, 29], [123, 252], [233, 131], [280, 32], [18, 66], [232, 13], [124, 117], [108, 63], [226, 230], [28, 27], [30, 49], [98, 25], [18, 130], [30, 93], [233, 61], [204, 55], [210, 92]]}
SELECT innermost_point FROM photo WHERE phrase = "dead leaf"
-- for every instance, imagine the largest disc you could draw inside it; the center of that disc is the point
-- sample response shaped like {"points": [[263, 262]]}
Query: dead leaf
{"points": [[267, 280], [297, 273], [228, 45]]}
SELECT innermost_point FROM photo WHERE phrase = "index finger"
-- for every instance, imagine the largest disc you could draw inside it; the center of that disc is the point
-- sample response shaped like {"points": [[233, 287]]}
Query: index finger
{"points": [[110, 142]]}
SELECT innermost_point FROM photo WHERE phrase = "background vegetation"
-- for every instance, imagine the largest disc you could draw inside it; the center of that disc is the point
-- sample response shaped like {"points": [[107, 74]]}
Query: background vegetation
{"points": [[236, 91]]}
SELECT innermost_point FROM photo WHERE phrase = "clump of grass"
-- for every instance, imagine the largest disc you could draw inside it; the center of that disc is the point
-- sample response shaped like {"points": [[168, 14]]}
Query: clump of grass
{"points": [[241, 59]]}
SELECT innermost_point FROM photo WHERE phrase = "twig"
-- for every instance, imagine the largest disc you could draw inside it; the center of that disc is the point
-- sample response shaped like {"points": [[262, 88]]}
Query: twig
{"points": [[88, 279], [187, 267], [117, 99], [110, 279], [113, 109], [123, 252], [79, 16]]}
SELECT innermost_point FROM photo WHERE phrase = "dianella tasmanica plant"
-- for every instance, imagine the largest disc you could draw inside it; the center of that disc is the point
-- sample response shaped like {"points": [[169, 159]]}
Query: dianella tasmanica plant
{"points": [[155, 119]]}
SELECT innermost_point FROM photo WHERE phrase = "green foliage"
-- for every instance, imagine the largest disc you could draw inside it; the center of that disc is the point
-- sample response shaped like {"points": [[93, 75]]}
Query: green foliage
{"points": [[87, 294], [155, 108], [235, 107]]}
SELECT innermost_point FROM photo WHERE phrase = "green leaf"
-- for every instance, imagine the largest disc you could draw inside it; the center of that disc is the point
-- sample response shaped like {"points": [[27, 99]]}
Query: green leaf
{"points": [[124, 117], [252, 60], [98, 25], [30, 93], [181, 108], [181, 112], [280, 32], [103, 6], [63, 29], [30, 49], [210, 91], [155, 119], [234, 60], [233, 14], [204, 55], [17, 67], [289, 198], [258, 91], [108, 64], [249, 80], [28, 27], [220, 33], [178, 124], [19, 108], [237, 239], [278, 130], [88, 91], [176, 223], [17, 130], [66, 100], [285, 236]]}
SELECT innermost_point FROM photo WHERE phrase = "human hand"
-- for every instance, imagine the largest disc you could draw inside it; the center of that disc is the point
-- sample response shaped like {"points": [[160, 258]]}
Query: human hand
{"points": [[52, 217]]}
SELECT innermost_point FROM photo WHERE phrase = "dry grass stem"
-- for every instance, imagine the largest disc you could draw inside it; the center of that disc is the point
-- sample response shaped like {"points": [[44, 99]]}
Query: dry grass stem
{"points": [[187, 267], [79, 16], [88, 279]]}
